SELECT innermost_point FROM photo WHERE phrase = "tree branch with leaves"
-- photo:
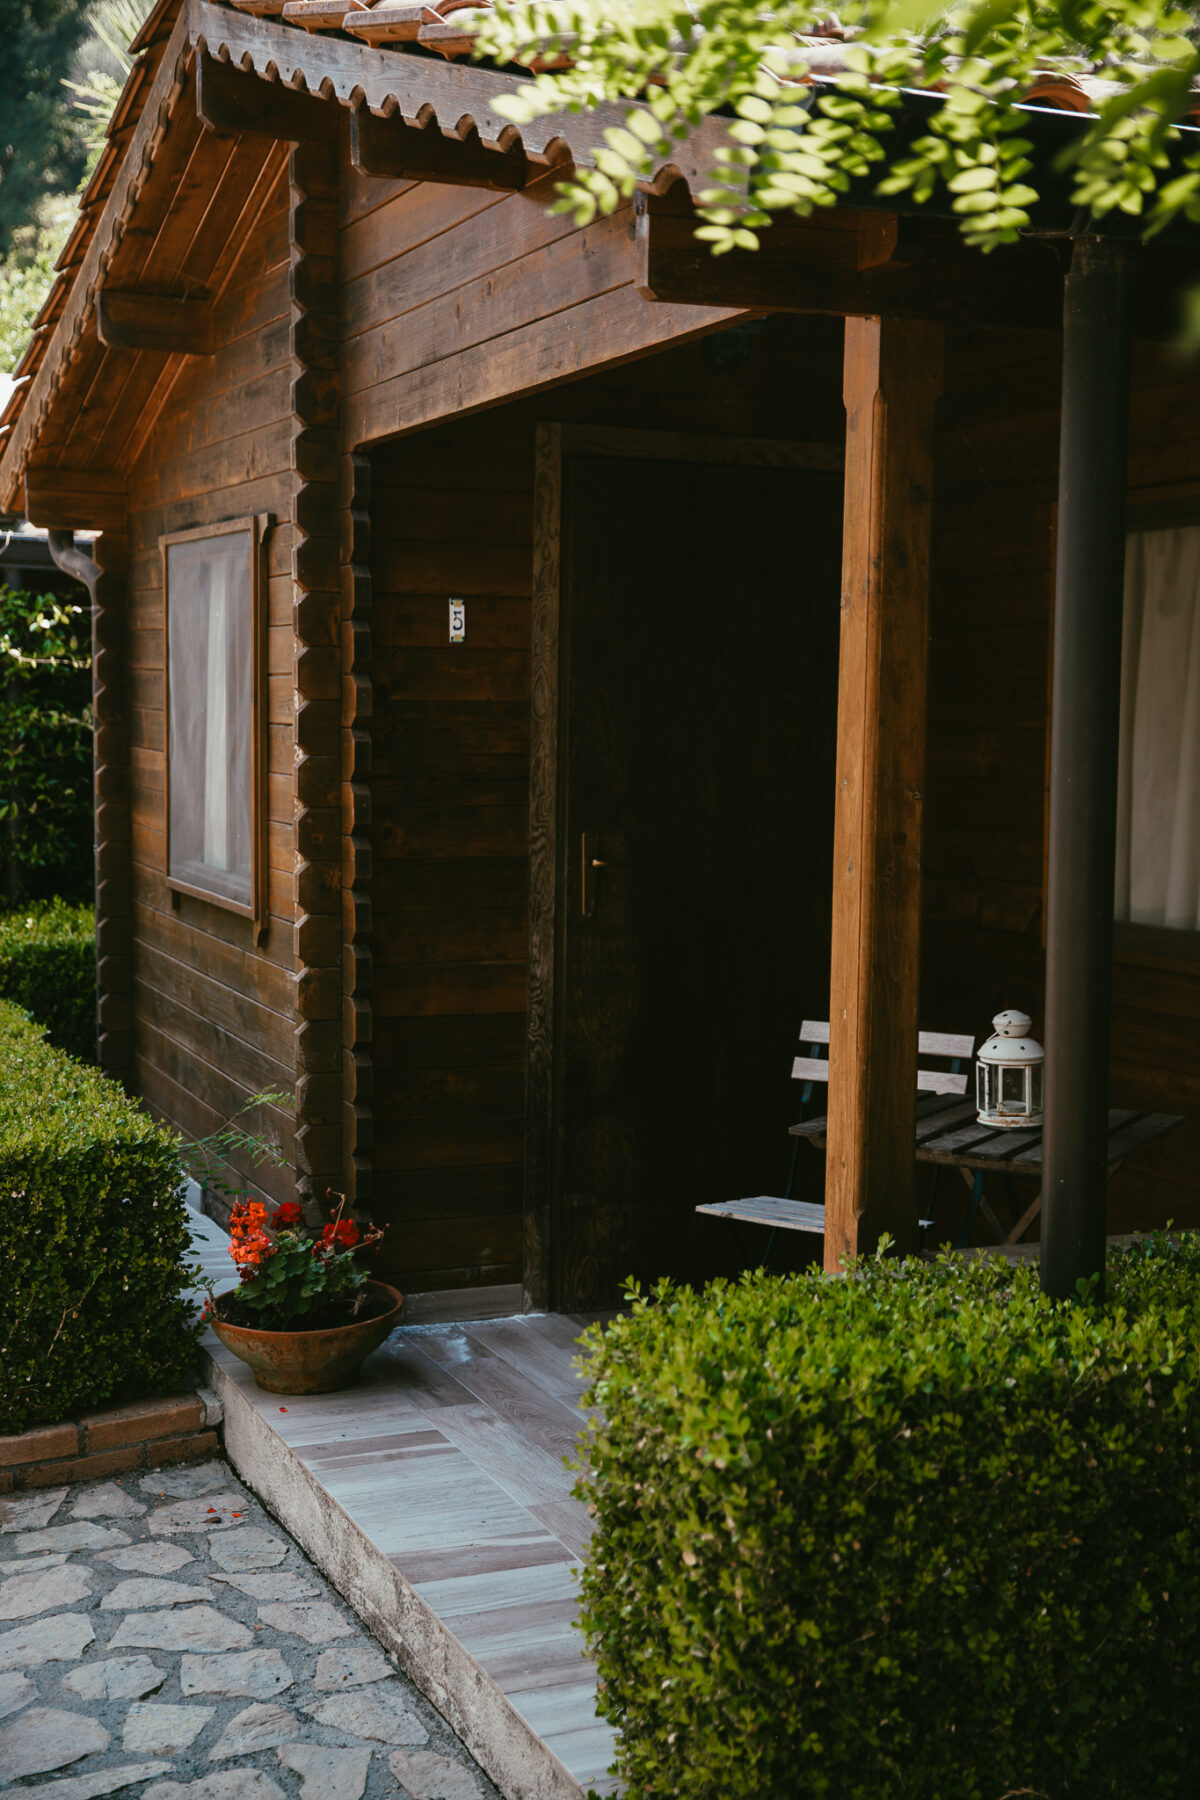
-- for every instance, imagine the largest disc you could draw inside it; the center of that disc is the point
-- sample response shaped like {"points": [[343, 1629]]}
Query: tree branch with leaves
{"points": [[805, 124]]}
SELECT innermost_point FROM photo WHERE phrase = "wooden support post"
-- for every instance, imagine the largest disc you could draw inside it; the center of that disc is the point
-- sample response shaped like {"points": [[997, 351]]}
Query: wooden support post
{"points": [[893, 375], [1085, 716]]}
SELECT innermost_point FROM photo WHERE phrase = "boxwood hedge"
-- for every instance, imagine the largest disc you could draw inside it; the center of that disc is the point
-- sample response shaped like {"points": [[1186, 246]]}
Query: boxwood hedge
{"points": [[916, 1532], [93, 1239], [48, 966]]}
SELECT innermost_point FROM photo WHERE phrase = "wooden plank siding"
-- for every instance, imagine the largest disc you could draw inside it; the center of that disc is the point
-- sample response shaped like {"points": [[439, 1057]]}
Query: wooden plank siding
{"points": [[213, 1009], [450, 824], [455, 299], [996, 481]]}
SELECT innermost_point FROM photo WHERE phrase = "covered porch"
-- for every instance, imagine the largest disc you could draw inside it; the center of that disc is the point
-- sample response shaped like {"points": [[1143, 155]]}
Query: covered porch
{"points": [[901, 773]]}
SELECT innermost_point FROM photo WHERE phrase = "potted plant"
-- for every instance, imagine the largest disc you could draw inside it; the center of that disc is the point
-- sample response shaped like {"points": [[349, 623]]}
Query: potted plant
{"points": [[304, 1314]]}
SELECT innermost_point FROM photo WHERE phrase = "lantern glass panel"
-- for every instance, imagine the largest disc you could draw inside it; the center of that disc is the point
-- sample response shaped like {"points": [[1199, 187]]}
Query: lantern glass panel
{"points": [[1012, 1087], [1035, 1088]]}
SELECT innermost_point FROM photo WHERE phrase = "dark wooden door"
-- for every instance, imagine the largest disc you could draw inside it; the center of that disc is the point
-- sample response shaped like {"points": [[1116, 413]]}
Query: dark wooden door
{"points": [[698, 634]]}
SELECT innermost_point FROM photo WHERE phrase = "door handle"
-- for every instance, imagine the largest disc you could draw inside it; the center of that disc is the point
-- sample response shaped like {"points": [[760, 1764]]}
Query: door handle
{"points": [[589, 862]]}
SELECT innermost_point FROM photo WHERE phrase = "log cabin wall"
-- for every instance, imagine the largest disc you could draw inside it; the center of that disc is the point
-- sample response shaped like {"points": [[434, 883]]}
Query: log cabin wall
{"points": [[450, 804], [452, 516], [993, 580], [458, 298], [452, 299], [214, 1014]]}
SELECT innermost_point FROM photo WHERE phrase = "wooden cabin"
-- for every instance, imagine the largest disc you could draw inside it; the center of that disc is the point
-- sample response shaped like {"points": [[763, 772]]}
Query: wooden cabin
{"points": [[487, 817]]}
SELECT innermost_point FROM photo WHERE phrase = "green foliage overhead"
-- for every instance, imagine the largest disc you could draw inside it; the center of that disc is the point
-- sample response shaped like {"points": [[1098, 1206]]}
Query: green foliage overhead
{"points": [[41, 150], [48, 968], [795, 148], [45, 746], [114, 25], [915, 1534], [82, 101], [95, 1236]]}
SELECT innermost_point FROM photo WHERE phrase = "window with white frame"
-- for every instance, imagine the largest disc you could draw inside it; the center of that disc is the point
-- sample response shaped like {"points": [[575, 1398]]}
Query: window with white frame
{"points": [[1158, 811], [213, 666]]}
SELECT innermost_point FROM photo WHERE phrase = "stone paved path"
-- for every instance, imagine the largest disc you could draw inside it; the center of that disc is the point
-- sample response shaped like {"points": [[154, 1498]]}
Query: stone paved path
{"points": [[161, 1636]]}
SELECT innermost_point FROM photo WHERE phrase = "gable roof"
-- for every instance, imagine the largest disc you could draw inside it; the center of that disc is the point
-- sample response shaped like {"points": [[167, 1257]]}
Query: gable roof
{"points": [[398, 58], [424, 89]]}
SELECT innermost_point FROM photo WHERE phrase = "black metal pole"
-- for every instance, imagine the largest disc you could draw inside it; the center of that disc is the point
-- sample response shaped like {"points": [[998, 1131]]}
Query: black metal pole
{"points": [[1085, 724]]}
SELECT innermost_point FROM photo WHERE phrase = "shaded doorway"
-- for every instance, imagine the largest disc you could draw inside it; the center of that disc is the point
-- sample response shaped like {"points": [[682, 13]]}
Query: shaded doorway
{"points": [[685, 645]]}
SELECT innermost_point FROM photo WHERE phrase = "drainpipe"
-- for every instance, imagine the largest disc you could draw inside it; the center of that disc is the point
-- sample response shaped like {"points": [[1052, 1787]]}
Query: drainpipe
{"points": [[71, 560], [1085, 725]]}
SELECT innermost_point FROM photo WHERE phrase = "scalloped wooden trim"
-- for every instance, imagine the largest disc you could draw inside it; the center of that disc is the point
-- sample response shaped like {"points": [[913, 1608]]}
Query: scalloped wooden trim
{"points": [[357, 870], [316, 670]]}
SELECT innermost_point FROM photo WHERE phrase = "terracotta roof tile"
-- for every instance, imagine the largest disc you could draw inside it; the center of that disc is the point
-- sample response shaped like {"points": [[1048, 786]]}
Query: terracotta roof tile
{"points": [[322, 15], [411, 29], [453, 35], [392, 22], [406, 21]]}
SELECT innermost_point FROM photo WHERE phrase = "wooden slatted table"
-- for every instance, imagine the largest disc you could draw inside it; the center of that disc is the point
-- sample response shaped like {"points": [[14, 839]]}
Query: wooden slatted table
{"points": [[949, 1135]]}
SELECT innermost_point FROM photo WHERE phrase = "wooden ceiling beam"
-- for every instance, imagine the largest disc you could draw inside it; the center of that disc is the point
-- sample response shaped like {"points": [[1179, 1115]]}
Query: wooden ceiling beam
{"points": [[393, 149], [830, 263], [128, 321], [873, 264], [236, 104], [75, 499]]}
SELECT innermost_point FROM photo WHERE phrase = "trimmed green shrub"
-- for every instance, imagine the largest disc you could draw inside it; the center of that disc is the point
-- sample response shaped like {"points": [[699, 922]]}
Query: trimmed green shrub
{"points": [[93, 1241], [48, 967], [917, 1532]]}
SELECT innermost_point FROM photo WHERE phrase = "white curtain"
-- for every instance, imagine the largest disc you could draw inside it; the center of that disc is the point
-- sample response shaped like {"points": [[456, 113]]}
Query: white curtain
{"points": [[1158, 806], [216, 715], [210, 676]]}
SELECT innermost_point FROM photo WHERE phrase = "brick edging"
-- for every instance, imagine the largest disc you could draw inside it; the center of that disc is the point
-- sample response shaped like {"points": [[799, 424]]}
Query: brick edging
{"points": [[143, 1435]]}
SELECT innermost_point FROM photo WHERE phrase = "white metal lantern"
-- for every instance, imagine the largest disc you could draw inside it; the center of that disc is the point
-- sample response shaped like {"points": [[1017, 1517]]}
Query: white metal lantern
{"points": [[1008, 1075]]}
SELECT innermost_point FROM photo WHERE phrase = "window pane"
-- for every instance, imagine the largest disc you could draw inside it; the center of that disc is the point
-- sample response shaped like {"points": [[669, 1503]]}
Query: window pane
{"points": [[211, 675], [1013, 1088], [1158, 805]]}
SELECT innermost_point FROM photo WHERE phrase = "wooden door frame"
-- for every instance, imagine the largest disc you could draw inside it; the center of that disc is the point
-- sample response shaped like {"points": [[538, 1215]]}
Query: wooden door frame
{"points": [[549, 745]]}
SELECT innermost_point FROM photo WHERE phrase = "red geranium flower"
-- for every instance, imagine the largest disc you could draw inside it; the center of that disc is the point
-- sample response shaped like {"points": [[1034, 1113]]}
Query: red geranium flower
{"points": [[250, 1248], [287, 1214], [343, 1234], [246, 1216]]}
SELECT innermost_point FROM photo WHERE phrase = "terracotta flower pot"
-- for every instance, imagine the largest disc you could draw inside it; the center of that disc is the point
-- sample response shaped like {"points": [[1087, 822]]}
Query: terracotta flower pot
{"points": [[310, 1362]]}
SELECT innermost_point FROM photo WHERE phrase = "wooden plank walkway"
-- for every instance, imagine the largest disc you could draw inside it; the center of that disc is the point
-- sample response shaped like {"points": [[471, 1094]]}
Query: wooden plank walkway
{"points": [[448, 1456]]}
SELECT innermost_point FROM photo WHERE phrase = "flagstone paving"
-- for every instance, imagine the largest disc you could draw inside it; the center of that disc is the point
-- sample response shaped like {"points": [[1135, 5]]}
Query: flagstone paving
{"points": [[162, 1638]]}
